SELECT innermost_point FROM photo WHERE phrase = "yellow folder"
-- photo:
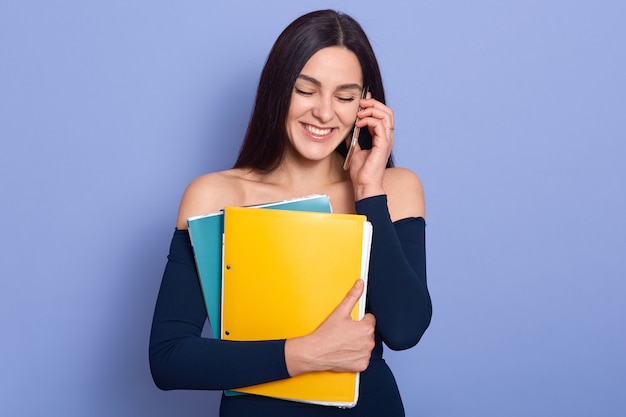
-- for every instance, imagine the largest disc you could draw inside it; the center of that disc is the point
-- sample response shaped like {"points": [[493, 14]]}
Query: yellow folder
{"points": [[284, 272]]}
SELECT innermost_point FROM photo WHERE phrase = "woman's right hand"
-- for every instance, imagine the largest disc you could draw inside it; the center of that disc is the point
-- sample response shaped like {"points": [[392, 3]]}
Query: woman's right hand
{"points": [[339, 344]]}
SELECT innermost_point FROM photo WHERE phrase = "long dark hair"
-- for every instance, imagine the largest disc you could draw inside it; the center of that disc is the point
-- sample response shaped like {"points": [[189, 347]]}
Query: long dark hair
{"points": [[264, 143]]}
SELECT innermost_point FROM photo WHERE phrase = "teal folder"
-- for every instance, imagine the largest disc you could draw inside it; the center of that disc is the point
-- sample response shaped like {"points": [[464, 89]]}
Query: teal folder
{"points": [[206, 233]]}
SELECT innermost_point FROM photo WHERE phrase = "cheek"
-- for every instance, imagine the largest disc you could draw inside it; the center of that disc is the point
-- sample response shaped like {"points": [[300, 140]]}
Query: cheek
{"points": [[348, 115], [296, 107]]}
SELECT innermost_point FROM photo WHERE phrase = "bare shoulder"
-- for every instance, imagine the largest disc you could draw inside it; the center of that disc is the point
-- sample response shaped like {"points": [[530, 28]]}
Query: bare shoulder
{"points": [[209, 193], [405, 194]]}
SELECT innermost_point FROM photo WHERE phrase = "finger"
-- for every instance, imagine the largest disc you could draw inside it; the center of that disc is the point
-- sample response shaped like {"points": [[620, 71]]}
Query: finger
{"points": [[381, 132], [369, 318], [369, 321], [377, 114], [370, 103], [347, 304]]}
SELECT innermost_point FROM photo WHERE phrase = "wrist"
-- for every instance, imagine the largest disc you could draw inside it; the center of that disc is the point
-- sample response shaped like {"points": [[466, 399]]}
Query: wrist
{"points": [[296, 357], [364, 191]]}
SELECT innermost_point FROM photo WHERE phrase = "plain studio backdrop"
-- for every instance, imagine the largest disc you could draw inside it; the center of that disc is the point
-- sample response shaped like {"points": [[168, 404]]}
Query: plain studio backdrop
{"points": [[512, 113]]}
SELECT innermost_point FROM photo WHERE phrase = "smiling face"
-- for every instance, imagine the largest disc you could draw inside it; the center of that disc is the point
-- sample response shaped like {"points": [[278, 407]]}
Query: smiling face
{"points": [[324, 103]]}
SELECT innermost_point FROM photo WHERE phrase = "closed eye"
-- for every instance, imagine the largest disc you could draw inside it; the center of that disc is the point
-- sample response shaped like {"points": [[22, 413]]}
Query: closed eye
{"points": [[302, 92], [346, 99]]}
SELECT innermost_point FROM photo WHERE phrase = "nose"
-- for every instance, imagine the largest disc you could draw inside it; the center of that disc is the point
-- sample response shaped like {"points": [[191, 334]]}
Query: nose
{"points": [[323, 109]]}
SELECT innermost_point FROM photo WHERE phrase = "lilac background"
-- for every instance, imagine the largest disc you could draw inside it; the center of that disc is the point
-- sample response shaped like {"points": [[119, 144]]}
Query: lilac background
{"points": [[513, 114]]}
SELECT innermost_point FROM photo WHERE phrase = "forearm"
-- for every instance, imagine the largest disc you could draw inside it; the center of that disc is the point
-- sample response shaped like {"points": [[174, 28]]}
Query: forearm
{"points": [[180, 358], [397, 291]]}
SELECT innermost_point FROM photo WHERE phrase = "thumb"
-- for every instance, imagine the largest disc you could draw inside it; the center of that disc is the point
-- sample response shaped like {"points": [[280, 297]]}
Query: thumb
{"points": [[347, 304]]}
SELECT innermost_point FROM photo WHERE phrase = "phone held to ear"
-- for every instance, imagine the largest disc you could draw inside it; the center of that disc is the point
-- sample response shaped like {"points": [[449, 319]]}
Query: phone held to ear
{"points": [[355, 134]]}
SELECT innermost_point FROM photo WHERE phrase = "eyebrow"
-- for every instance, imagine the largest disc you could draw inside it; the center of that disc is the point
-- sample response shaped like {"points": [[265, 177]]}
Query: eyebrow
{"points": [[351, 86]]}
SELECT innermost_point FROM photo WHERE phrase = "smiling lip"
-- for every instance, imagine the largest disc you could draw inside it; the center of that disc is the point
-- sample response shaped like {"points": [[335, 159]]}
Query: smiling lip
{"points": [[318, 133]]}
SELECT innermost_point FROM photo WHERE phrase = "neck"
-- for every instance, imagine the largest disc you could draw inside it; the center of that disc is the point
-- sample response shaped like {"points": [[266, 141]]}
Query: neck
{"points": [[297, 176]]}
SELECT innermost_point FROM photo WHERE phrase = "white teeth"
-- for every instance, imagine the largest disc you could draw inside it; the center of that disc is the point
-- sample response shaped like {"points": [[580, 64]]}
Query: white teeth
{"points": [[316, 131]]}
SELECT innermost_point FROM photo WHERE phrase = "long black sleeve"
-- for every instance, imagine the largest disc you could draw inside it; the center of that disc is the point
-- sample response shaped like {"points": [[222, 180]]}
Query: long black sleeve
{"points": [[397, 292], [180, 358]]}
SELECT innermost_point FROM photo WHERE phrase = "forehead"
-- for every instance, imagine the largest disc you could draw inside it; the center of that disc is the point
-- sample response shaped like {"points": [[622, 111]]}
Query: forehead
{"points": [[334, 66]]}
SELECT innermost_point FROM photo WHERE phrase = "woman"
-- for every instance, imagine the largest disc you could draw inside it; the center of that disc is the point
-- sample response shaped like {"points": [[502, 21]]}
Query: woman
{"points": [[308, 97]]}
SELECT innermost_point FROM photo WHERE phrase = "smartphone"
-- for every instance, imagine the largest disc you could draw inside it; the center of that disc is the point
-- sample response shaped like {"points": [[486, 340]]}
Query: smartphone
{"points": [[355, 134]]}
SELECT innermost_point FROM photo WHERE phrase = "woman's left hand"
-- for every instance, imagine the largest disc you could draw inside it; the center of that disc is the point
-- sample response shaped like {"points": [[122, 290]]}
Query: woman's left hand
{"points": [[367, 168]]}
